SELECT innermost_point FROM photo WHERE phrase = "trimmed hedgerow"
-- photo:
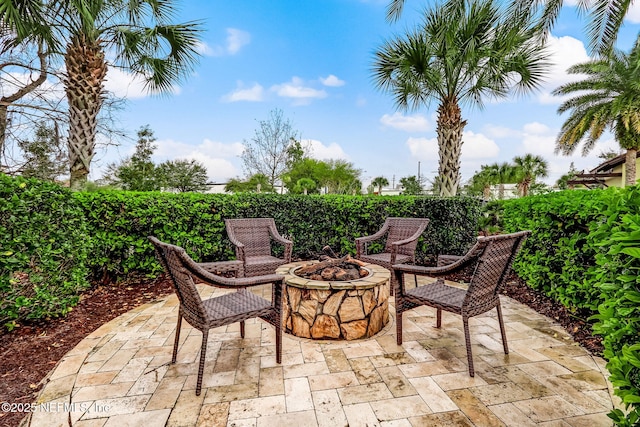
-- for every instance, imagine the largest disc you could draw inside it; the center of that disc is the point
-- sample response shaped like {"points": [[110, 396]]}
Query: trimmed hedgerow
{"points": [[121, 221], [585, 253], [43, 250]]}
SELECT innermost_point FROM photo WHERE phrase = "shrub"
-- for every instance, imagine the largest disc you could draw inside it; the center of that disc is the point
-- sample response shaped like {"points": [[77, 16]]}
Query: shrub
{"points": [[43, 250]]}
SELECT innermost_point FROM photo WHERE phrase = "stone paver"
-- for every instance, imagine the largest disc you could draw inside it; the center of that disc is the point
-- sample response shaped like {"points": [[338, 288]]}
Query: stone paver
{"points": [[121, 375]]}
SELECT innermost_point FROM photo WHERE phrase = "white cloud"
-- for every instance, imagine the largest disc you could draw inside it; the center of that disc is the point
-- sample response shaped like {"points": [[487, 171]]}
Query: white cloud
{"points": [[236, 39], [478, 146], [127, 85], [332, 81], [254, 93], [298, 91], [320, 151], [565, 52], [423, 148], [204, 49], [495, 131], [414, 123]]}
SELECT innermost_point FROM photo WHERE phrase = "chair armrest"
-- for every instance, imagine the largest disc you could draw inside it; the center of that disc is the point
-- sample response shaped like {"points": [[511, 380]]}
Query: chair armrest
{"points": [[361, 247], [236, 266], [288, 244], [239, 247]]}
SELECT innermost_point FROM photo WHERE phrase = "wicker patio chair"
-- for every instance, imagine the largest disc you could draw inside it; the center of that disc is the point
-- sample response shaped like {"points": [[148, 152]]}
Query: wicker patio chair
{"points": [[252, 238], [490, 258], [402, 238], [226, 309]]}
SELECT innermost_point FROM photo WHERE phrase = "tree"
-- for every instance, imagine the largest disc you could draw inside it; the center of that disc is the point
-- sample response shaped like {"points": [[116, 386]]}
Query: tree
{"points": [[503, 173], [342, 178], [272, 147], [306, 184], [93, 34], [183, 175], [465, 51], [44, 159], [482, 181], [316, 170], [562, 182], [137, 173], [606, 99], [411, 185], [380, 182], [257, 183], [528, 169]]}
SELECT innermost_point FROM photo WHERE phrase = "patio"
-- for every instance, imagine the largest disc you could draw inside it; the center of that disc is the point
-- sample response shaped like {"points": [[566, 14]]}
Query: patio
{"points": [[120, 376]]}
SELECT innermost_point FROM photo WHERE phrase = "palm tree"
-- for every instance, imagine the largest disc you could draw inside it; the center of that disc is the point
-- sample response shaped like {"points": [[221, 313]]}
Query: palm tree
{"points": [[380, 182], [135, 35], [465, 51], [502, 173], [529, 167], [306, 184], [483, 180], [606, 99], [605, 17]]}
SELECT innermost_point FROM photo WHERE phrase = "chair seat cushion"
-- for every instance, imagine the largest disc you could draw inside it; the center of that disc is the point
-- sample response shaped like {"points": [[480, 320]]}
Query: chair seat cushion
{"points": [[438, 294], [240, 305], [263, 259], [385, 258]]}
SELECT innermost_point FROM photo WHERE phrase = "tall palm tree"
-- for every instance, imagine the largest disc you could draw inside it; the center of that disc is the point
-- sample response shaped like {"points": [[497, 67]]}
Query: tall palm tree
{"points": [[465, 51], [136, 35], [380, 182], [503, 173], [529, 167], [605, 17], [606, 99]]}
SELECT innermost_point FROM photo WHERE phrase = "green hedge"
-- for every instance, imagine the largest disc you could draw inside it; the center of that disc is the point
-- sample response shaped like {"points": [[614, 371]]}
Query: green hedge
{"points": [[43, 250], [585, 253], [121, 221]]}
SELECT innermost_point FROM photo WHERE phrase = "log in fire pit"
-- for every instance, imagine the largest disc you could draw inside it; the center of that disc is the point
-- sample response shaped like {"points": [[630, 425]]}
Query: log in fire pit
{"points": [[318, 304]]}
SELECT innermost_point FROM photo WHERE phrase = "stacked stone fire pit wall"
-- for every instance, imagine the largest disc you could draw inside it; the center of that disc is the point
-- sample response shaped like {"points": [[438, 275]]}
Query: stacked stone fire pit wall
{"points": [[340, 310]]}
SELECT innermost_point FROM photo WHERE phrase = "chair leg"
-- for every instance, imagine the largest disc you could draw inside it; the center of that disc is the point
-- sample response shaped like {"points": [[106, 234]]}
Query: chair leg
{"points": [[467, 338], [278, 343], [392, 283], [502, 330], [438, 318], [203, 356], [175, 342], [242, 329], [398, 325]]}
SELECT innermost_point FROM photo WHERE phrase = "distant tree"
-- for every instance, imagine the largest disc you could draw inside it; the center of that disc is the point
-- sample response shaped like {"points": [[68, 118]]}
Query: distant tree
{"points": [[607, 98], [316, 170], [343, 178], [257, 183], [528, 168], [183, 175], [272, 148], [138, 172], [482, 181], [562, 182], [380, 182], [306, 184], [503, 173], [44, 156], [609, 154], [411, 185]]}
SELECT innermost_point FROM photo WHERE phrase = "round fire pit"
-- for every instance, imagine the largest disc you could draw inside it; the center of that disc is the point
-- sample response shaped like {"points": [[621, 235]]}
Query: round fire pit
{"points": [[340, 310]]}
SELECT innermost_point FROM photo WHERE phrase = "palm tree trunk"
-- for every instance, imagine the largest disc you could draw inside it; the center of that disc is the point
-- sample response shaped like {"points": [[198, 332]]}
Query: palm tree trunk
{"points": [[450, 127], [630, 167], [86, 71], [486, 192]]}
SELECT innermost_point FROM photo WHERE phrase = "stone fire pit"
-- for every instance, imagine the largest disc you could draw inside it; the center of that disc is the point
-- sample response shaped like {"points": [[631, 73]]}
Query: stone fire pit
{"points": [[341, 310]]}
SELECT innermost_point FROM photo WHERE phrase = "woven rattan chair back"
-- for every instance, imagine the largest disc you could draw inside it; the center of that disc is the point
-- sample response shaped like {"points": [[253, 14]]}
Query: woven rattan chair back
{"points": [[401, 229], [491, 272], [253, 233], [171, 257]]}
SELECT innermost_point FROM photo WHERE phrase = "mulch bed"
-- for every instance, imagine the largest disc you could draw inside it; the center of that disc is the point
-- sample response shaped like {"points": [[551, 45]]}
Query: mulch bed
{"points": [[30, 352]]}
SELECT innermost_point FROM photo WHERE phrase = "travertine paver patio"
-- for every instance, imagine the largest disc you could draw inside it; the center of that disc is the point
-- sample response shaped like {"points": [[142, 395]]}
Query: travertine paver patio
{"points": [[120, 376]]}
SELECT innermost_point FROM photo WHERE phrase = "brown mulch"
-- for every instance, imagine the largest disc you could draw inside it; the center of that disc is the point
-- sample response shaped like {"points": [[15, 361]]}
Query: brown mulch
{"points": [[30, 352]]}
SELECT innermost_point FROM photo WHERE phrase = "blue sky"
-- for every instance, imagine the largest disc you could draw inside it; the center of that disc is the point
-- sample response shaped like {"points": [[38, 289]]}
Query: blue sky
{"points": [[312, 59]]}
